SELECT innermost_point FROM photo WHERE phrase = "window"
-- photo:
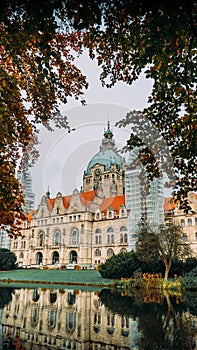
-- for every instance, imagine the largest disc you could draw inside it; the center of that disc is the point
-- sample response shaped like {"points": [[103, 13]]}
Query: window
{"points": [[112, 238], [185, 237], [125, 238], [57, 238], [41, 240], [195, 221], [110, 214], [121, 238], [122, 213], [110, 229], [74, 236], [182, 222], [98, 230], [97, 252], [196, 236], [55, 258], [108, 238], [96, 240], [189, 222], [100, 239], [123, 228], [97, 216], [110, 252]]}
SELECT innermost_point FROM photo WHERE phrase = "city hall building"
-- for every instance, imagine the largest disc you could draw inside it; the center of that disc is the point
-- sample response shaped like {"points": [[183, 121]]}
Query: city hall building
{"points": [[83, 228]]}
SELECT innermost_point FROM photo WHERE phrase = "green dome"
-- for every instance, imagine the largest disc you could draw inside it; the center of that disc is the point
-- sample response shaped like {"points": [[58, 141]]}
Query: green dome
{"points": [[106, 158]]}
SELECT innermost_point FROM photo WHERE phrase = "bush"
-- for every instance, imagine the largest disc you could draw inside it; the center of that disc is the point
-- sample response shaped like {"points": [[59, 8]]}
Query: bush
{"points": [[7, 259], [122, 265]]}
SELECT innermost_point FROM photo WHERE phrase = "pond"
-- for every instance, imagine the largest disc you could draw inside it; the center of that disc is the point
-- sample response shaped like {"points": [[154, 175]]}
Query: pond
{"points": [[69, 318]]}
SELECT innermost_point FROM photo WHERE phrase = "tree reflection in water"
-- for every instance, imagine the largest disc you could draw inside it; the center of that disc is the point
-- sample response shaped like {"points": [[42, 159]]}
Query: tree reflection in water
{"points": [[165, 322], [44, 318]]}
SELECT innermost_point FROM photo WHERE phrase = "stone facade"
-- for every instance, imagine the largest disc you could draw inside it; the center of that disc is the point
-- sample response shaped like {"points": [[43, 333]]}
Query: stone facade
{"points": [[83, 228], [187, 221]]}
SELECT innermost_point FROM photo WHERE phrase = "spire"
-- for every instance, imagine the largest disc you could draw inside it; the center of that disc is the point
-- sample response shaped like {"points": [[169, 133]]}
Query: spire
{"points": [[107, 140], [48, 192]]}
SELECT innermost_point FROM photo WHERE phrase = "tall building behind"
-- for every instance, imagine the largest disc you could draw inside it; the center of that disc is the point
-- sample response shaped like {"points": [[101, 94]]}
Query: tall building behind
{"points": [[143, 200], [26, 182]]}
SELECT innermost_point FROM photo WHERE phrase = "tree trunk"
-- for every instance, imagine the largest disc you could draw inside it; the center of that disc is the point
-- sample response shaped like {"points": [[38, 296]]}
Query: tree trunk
{"points": [[167, 270]]}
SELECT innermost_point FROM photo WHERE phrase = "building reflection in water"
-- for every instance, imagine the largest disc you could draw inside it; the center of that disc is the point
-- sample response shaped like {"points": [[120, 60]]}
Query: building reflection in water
{"points": [[66, 319]]}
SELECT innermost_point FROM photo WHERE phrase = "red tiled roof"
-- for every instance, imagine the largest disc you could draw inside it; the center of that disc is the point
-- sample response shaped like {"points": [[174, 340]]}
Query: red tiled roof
{"points": [[66, 201], [50, 203], [169, 204], [29, 215], [87, 197], [114, 202]]}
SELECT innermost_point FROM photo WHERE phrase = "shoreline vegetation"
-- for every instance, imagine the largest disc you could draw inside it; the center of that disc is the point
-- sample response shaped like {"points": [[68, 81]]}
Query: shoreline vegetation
{"points": [[92, 278]]}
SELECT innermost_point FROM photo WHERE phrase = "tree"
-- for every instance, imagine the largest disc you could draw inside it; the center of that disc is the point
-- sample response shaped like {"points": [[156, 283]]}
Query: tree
{"points": [[37, 73], [7, 259], [166, 242], [159, 39]]}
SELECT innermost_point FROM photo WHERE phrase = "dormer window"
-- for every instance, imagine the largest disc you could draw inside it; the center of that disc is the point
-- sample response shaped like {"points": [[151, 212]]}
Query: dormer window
{"points": [[110, 214], [58, 210]]}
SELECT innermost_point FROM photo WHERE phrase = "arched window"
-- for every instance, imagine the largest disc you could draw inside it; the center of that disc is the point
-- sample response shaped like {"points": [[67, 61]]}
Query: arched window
{"points": [[39, 258], [112, 238], [110, 229], [97, 216], [123, 228], [189, 222], [122, 213], [70, 321], [74, 236], [125, 238], [110, 214], [57, 238], [36, 295], [110, 252], [52, 297], [21, 255], [182, 222], [71, 298], [123, 250], [121, 238], [97, 252], [34, 316], [51, 318], [100, 239], [55, 258], [185, 237], [41, 239], [108, 238], [98, 230]]}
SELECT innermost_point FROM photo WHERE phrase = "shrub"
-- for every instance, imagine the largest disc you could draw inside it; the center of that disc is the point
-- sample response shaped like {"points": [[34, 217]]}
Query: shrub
{"points": [[122, 265], [7, 259]]}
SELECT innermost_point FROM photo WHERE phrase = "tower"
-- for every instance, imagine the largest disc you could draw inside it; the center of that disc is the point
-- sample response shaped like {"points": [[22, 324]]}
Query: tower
{"points": [[105, 171]]}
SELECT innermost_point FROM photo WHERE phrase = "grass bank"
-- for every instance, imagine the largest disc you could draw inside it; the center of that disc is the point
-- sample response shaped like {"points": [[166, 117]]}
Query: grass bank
{"points": [[60, 277]]}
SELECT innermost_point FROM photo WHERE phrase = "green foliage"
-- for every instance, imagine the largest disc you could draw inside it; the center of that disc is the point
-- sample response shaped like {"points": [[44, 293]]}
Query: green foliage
{"points": [[118, 266], [163, 243], [7, 259]]}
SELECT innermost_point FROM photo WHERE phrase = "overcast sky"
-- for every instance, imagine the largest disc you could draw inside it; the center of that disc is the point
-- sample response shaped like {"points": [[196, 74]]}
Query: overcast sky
{"points": [[64, 156]]}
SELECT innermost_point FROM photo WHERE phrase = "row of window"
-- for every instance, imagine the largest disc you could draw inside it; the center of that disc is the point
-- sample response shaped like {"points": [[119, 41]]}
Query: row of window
{"points": [[110, 238], [188, 222]]}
